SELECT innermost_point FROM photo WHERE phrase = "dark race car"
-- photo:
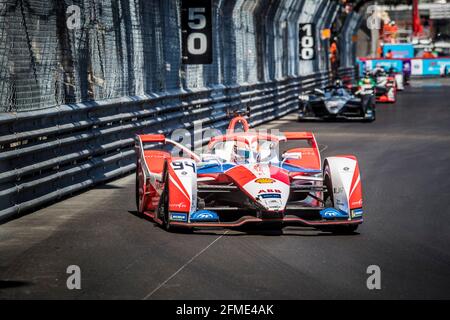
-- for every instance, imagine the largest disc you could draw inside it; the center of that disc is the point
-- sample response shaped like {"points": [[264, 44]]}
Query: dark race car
{"points": [[335, 102]]}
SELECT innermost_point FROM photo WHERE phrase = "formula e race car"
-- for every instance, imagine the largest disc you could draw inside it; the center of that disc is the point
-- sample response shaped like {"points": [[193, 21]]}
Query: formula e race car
{"points": [[241, 179], [386, 86], [399, 78], [336, 102]]}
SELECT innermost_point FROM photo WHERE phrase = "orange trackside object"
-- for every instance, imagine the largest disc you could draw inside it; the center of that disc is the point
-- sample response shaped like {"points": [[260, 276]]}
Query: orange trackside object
{"points": [[237, 120]]}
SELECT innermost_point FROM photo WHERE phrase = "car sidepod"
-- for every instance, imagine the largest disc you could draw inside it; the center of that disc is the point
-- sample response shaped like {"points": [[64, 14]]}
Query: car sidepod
{"points": [[182, 189]]}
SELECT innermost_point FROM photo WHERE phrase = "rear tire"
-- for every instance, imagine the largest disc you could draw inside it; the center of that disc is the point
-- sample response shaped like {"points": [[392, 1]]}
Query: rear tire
{"points": [[163, 206]]}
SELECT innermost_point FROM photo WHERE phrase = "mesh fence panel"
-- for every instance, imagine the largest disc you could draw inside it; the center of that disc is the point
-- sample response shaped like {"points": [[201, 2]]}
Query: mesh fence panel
{"points": [[133, 47]]}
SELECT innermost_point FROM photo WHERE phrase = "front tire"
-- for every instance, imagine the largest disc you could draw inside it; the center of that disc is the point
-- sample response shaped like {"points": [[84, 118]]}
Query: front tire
{"points": [[329, 202], [137, 196], [163, 206]]}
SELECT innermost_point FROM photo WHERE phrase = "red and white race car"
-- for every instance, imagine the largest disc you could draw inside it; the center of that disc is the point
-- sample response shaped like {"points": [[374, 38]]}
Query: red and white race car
{"points": [[241, 179], [385, 87]]}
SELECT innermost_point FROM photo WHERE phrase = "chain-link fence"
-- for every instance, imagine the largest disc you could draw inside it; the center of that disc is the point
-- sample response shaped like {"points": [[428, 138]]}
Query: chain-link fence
{"points": [[67, 51]]}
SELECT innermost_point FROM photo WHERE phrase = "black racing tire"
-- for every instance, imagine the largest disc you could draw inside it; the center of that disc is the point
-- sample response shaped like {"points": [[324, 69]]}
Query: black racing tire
{"points": [[369, 104], [137, 192], [163, 208], [272, 226], [164, 216], [163, 205], [373, 118], [163, 212], [328, 196], [137, 198]]}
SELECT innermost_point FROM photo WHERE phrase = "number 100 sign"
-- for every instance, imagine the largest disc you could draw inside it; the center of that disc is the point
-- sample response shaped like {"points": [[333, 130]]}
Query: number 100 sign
{"points": [[196, 28], [307, 41]]}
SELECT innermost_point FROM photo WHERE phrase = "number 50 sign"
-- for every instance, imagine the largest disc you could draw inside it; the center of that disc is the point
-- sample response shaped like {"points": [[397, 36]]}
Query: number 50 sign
{"points": [[306, 41], [196, 28]]}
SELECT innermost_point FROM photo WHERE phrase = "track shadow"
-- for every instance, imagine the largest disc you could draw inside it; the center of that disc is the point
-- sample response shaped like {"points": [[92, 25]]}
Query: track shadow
{"points": [[251, 230], [107, 187], [276, 233], [7, 284]]}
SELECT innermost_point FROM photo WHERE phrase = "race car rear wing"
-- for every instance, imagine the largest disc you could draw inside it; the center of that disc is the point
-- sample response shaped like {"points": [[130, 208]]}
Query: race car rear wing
{"points": [[160, 138], [152, 138], [298, 135], [310, 138]]}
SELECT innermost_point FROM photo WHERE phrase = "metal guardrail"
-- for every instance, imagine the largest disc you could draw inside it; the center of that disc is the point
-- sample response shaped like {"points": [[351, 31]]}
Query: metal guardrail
{"points": [[49, 154], [347, 74]]}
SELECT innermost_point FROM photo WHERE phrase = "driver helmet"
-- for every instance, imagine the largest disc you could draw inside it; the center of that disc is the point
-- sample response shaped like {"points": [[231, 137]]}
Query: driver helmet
{"points": [[241, 152], [338, 83], [366, 81]]}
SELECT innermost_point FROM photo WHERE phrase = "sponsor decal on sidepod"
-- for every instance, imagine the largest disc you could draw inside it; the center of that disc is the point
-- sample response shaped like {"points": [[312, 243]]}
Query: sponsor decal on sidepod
{"points": [[178, 216]]}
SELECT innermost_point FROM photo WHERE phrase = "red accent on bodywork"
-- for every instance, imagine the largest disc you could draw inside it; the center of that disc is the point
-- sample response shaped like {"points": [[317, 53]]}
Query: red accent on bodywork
{"points": [[355, 200], [152, 138], [298, 135], [308, 160], [178, 196], [240, 175], [279, 174], [237, 120], [155, 160]]}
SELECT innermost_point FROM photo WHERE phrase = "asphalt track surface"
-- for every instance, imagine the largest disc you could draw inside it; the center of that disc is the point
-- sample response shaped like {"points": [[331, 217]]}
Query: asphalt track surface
{"points": [[405, 164]]}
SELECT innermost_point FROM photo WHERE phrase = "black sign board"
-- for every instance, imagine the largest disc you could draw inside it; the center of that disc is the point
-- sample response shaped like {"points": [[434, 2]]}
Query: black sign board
{"points": [[307, 41], [196, 27]]}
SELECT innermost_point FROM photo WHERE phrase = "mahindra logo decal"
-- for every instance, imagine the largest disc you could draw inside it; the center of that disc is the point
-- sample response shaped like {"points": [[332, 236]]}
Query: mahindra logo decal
{"points": [[180, 205]]}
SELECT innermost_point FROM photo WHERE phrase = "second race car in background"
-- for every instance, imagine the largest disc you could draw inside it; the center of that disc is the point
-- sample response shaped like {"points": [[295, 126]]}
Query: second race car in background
{"points": [[385, 87], [399, 78], [336, 102]]}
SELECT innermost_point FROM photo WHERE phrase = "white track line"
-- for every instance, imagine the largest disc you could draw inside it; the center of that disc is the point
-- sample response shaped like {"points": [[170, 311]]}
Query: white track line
{"points": [[183, 266]]}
